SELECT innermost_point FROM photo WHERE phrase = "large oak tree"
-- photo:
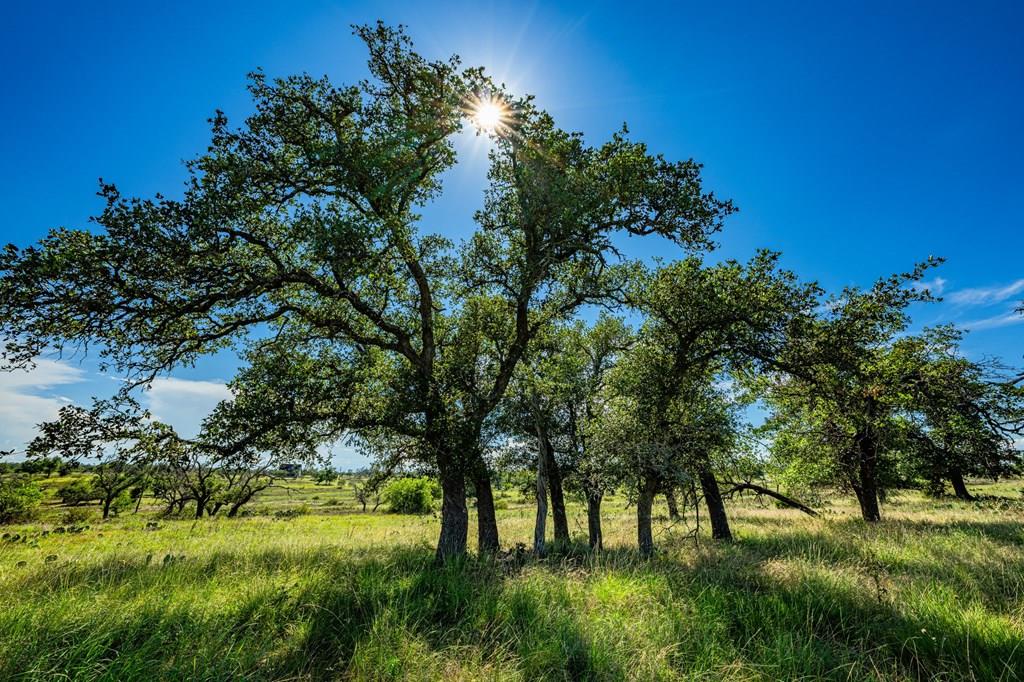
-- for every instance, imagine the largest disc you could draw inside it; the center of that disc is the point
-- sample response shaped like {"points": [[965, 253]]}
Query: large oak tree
{"points": [[298, 240]]}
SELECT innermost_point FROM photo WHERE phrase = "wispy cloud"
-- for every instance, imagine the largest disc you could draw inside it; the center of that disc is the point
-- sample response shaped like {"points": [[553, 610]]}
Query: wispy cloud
{"points": [[935, 285], [987, 295], [1002, 320]]}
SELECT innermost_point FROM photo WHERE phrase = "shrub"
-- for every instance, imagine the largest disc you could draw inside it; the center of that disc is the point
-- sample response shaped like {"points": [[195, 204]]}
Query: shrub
{"points": [[411, 495], [123, 502], [19, 499], [76, 516], [76, 492]]}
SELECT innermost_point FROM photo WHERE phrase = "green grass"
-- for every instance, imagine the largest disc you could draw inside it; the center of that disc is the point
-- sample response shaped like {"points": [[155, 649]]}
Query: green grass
{"points": [[936, 591]]}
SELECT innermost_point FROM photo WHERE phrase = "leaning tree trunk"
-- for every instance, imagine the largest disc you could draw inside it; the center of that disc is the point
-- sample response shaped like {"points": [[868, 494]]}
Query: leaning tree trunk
{"points": [[644, 503], [106, 505], [956, 477], [558, 515], [237, 505], [541, 518], [487, 521], [716, 506], [594, 520], [454, 515], [673, 506], [867, 475]]}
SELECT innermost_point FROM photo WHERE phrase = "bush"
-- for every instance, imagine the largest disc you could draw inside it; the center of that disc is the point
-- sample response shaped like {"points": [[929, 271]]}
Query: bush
{"points": [[123, 502], [76, 492], [77, 516], [19, 499], [411, 495]]}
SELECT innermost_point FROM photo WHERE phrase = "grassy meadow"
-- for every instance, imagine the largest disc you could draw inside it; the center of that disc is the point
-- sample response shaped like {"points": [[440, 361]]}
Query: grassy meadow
{"points": [[306, 587]]}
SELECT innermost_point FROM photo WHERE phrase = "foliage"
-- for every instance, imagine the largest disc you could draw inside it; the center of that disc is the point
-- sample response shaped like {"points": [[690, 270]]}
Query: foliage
{"points": [[77, 491], [325, 475], [19, 498], [411, 495]]}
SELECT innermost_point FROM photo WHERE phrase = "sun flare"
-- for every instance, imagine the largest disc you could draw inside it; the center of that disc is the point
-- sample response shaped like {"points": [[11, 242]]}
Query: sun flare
{"points": [[488, 115]]}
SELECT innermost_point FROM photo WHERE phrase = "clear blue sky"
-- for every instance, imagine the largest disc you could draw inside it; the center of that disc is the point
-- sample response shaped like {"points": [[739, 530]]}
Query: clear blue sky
{"points": [[857, 138]]}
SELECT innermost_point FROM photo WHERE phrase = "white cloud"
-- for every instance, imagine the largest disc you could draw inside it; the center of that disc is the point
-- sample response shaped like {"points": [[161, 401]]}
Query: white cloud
{"points": [[935, 285], [184, 403], [27, 399], [987, 295], [1003, 320]]}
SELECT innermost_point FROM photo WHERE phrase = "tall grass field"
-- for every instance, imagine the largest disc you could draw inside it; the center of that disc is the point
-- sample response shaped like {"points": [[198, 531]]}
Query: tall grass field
{"points": [[306, 587]]}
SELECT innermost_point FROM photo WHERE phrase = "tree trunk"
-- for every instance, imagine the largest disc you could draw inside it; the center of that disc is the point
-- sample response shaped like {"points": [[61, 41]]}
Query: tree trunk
{"points": [[644, 503], [673, 506], [200, 506], [106, 505], [487, 522], [594, 520], [761, 490], [561, 521], [454, 515], [233, 510], [956, 477], [541, 518], [867, 488], [716, 507]]}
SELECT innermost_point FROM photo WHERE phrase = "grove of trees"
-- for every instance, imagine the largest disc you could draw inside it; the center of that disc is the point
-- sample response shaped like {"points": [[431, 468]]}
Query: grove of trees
{"points": [[536, 344]]}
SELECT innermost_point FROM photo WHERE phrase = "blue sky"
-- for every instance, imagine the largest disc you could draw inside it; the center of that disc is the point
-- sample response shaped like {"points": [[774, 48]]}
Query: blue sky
{"points": [[857, 138]]}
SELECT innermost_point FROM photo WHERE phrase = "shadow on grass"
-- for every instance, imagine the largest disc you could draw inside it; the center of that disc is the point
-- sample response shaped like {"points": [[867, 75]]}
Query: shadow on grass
{"points": [[327, 613]]}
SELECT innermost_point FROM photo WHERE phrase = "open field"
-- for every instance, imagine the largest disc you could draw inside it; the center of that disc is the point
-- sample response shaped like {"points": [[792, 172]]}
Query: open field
{"points": [[935, 591]]}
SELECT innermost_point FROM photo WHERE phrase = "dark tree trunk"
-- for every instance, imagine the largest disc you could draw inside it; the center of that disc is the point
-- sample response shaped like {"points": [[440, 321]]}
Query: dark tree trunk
{"points": [[541, 518], [867, 487], [138, 502], [956, 477], [561, 521], [594, 520], [454, 515], [673, 506], [106, 505], [715, 504], [201, 506], [644, 503], [487, 522]]}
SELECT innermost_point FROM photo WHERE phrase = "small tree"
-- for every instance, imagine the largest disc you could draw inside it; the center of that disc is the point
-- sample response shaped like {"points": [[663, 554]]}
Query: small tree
{"points": [[844, 387], [113, 434]]}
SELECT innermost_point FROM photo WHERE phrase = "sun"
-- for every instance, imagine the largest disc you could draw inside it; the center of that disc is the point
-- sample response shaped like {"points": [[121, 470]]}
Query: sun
{"points": [[488, 115]]}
